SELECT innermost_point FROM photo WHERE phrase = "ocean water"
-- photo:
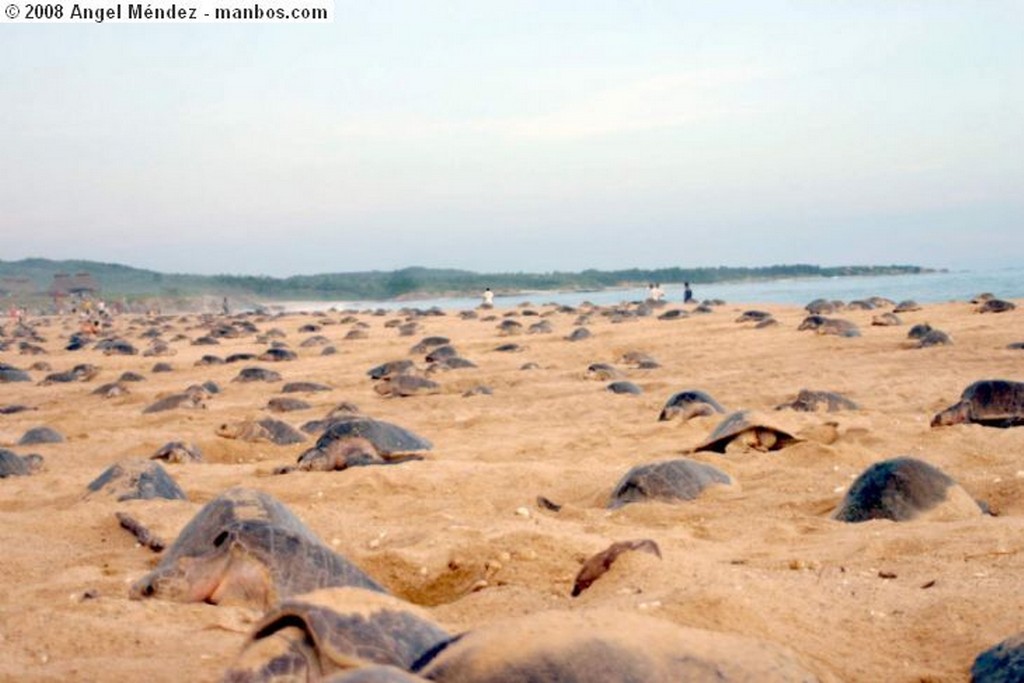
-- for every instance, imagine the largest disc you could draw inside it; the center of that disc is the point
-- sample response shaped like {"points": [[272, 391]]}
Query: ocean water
{"points": [[959, 285]]}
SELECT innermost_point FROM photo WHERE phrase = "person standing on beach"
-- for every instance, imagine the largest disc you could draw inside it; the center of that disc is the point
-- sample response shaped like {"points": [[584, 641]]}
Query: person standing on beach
{"points": [[657, 293], [488, 297], [687, 293]]}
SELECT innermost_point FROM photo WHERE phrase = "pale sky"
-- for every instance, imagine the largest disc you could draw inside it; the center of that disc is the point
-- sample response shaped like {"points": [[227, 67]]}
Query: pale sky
{"points": [[522, 136]]}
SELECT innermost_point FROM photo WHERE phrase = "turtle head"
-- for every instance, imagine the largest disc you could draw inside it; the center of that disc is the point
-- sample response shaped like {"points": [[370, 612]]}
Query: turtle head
{"points": [[227, 573], [955, 414]]}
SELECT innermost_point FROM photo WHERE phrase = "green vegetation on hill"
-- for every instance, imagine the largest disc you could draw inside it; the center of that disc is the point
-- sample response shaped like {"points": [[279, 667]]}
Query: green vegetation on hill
{"points": [[117, 280]]}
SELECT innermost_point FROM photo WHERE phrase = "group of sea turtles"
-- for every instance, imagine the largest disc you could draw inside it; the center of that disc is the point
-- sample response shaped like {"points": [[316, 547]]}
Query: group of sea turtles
{"points": [[324, 618]]}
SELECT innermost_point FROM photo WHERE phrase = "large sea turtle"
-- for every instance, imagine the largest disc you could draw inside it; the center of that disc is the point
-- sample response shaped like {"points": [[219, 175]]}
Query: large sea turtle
{"points": [[245, 547], [989, 402], [823, 325], [9, 373], [689, 403], [996, 306], [607, 646], [672, 480], [406, 385], [1001, 663], [257, 374], [901, 489], [332, 630], [188, 399], [137, 479], [750, 430], [809, 401], [357, 440], [12, 464], [178, 452], [38, 435], [267, 430]]}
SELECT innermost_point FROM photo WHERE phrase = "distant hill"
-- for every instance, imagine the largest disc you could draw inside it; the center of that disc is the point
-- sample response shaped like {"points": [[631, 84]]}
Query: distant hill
{"points": [[34, 277]]}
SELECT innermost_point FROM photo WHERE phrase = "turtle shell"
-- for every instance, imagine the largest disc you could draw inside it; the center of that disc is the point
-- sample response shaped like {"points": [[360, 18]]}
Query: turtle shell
{"points": [[901, 489], [673, 480], [604, 645], [691, 403], [761, 433], [332, 630], [387, 438]]}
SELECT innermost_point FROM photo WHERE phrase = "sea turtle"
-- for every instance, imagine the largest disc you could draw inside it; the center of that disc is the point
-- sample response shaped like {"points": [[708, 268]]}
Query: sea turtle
{"points": [[1001, 663], [624, 387], [394, 367], [12, 464], [178, 452], [821, 307], [38, 435], [689, 403], [137, 479], [934, 337], [602, 372], [440, 353], [982, 298], [679, 314], [989, 402], [162, 367], [285, 404], [902, 489], [261, 431], [750, 430], [406, 385], [387, 439], [509, 348], [996, 306], [579, 334], [860, 305], [240, 357], [315, 340], [187, 399], [540, 327], [753, 316], [669, 481], [303, 387], [427, 343], [835, 326], [257, 374], [277, 355], [886, 320], [9, 373], [333, 630], [12, 408], [507, 327], [110, 390], [245, 547], [159, 349], [83, 372], [129, 376], [810, 401], [356, 334], [606, 646], [344, 453], [453, 363], [111, 347], [209, 359], [767, 322], [919, 330], [1015, 346], [907, 306]]}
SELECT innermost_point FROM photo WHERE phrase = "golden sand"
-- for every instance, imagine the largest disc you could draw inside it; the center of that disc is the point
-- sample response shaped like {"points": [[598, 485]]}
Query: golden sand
{"points": [[461, 534]]}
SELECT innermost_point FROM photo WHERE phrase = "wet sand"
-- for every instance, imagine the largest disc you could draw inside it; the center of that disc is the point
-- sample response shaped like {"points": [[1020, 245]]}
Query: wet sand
{"points": [[461, 532]]}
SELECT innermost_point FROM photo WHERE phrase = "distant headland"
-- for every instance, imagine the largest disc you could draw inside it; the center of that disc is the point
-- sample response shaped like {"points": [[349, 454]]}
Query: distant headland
{"points": [[35, 280]]}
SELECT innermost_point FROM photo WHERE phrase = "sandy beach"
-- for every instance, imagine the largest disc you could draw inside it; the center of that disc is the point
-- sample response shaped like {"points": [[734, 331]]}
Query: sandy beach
{"points": [[460, 532]]}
